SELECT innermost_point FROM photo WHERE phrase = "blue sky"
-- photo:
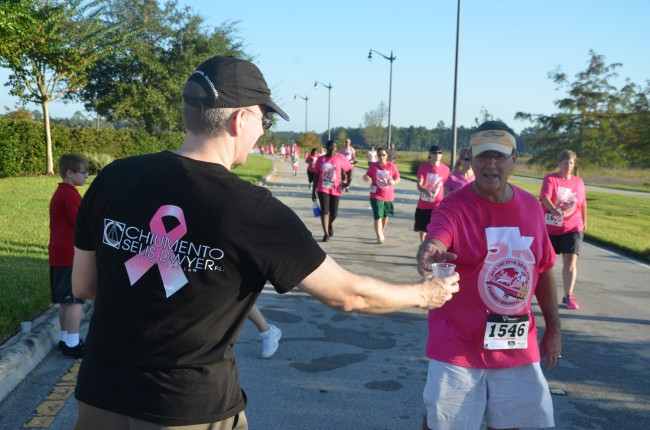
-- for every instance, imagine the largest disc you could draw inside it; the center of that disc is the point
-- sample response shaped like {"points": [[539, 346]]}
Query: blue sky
{"points": [[507, 49]]}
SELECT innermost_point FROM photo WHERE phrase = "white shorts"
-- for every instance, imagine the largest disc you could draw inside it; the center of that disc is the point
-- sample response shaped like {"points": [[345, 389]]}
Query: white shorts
{"points": [[457, 397]]}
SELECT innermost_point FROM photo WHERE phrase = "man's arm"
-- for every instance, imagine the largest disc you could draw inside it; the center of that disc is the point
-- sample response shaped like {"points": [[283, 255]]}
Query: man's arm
{"points": [[546, 294], [84, 274], [341, 289], [348, 176]]}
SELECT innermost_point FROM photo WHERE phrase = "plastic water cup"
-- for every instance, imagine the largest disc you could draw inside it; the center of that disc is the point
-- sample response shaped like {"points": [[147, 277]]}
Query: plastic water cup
{"points": [[26, 327], [442, 270]]}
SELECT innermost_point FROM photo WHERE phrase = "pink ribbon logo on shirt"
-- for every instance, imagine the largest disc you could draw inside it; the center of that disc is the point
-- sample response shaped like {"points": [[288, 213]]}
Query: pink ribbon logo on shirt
{"points": [[173, 277]]}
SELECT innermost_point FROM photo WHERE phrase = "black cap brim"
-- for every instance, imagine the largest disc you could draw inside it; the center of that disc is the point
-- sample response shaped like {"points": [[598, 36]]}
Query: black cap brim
{"points": [[271, 106]]}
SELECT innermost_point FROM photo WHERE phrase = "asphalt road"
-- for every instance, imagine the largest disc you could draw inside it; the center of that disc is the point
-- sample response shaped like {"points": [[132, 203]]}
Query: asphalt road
{"points": [[351, 371]]}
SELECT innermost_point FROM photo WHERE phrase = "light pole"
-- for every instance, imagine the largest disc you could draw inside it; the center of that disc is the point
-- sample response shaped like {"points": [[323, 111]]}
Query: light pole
{"points": [[453, 120], [306, 99], [329, 99], [390, 86]]}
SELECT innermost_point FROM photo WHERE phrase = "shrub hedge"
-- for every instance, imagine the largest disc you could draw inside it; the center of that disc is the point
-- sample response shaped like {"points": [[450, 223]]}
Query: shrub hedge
{"points": [[22, 145]]}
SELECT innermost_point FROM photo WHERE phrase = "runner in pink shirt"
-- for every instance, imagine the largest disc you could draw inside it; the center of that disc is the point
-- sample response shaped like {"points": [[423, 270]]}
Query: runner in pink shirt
{"points": [[563, 197], [310, 160], [383, 176], [482, 344], [431, 179], [330, 169], [463, 173]]}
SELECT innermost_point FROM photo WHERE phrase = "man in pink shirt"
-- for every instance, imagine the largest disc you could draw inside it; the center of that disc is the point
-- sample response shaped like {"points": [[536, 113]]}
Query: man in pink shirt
{"points": [[431, 180], [482, 345]]}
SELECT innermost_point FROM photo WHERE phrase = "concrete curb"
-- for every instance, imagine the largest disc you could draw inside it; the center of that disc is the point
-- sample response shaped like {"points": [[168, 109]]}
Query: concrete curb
{"points": [[23, 352]]}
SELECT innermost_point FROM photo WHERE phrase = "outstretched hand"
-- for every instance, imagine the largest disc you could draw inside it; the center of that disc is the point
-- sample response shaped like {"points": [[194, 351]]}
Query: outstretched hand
{"points": [[440, 290], [428, 254]]}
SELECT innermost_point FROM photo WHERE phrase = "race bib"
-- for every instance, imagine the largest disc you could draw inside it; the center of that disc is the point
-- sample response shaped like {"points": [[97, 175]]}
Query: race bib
{"points": [[373, 189], [550, 220], [506, 332], [327, 184], [425, 198]]}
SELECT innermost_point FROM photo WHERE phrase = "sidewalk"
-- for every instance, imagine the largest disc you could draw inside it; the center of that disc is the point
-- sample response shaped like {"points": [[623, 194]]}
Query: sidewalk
{"points": [[23, 352]]}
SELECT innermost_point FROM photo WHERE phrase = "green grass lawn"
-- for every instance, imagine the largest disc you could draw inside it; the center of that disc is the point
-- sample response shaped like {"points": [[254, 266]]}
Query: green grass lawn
{"points": [[24, 236]]}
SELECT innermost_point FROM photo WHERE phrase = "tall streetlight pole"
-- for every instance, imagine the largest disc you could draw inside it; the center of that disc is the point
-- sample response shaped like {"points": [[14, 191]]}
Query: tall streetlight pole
{"points": [[390, 86], [453, 120], [329, 99], [306, 99]]}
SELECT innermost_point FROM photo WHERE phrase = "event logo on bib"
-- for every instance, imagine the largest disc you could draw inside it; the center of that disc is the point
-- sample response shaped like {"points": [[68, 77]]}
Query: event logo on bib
{"points": [[505, 280]]}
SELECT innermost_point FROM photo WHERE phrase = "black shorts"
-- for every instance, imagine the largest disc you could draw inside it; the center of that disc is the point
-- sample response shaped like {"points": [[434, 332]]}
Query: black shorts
{"points": [[310, 176], [568, 243], [61, 285], [422, 219], [329, 204]]}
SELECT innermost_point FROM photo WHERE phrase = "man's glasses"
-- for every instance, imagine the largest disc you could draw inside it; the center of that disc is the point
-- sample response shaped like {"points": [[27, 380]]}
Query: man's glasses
{"points": [[266, 123], [383, 155], [499, 158], [86, 173], [435, 152], [465, 159]]}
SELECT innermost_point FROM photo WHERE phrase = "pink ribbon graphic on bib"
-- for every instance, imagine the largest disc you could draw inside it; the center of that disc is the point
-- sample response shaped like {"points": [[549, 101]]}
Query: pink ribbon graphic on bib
{"points": [[173, 277]]}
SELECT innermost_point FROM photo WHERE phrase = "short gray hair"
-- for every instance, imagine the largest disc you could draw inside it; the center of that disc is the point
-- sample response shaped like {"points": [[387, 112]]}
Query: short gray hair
{"points": [[201, 120]]}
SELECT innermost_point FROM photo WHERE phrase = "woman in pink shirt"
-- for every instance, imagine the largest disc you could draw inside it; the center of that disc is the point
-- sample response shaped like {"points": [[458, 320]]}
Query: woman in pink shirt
{"points": [[311, 166], [331, 169], [463, 173], [563, 198], [432, 176], [383, 176]]}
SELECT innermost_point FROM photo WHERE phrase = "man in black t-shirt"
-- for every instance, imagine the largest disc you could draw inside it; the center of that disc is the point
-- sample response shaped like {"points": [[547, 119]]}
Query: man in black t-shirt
{"points": [[173, 255]]}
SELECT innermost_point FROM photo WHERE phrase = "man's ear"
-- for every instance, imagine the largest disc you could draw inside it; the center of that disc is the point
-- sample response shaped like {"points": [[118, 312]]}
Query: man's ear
{"points": [[235, 123]]}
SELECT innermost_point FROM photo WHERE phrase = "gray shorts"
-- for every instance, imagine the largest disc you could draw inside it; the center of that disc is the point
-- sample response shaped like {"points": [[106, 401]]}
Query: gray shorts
{"points": [[457, 397], [568, 243]]}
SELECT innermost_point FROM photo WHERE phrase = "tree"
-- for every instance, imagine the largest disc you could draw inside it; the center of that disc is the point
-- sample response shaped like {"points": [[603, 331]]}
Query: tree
{"points": [[309, 140], [484, 115], [49, 45], [373, 130], [143, 84], [21, 113], [592, 116]]}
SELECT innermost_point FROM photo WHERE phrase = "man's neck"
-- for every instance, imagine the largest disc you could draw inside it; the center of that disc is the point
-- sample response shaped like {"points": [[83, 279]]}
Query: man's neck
{"points": [[219, 150]]}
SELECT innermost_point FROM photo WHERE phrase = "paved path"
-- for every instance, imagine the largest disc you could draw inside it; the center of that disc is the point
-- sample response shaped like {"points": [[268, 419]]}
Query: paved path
{"points": [[350, 371]]}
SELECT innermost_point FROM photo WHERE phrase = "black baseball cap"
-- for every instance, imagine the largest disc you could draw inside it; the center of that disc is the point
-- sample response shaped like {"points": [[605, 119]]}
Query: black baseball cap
{"points": [[231, 82], [435, 148]]}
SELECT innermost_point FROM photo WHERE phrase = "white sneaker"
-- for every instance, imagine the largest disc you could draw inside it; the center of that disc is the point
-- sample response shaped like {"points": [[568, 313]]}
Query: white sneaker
{"points": [[270, 341]]}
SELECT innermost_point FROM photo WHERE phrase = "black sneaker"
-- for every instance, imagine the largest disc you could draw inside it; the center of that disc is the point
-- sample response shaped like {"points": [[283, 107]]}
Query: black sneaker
{"points": [[77, 351], [61, 345]]}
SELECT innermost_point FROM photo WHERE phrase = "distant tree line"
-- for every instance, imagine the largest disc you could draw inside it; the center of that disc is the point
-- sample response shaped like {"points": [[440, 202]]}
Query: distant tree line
{"points": [[127, 60]]}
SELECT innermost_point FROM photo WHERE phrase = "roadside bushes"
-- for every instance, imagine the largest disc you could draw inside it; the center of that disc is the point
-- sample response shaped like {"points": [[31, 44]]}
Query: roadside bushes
{"points": [[22, 145]]}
